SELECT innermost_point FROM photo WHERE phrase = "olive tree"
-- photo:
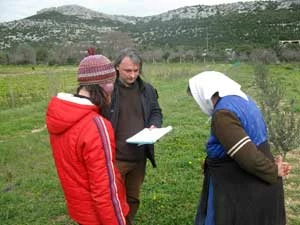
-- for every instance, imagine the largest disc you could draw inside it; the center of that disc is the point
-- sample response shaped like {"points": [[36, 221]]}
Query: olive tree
{"points": [[282, 121]]}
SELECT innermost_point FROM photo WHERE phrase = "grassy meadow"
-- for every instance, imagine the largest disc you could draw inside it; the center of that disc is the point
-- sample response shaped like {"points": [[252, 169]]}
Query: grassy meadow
{"points": [[29, 188]]}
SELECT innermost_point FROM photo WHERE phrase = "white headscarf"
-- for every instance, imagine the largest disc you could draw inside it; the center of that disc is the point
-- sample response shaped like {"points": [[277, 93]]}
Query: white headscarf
{"points": [[204, 85]]}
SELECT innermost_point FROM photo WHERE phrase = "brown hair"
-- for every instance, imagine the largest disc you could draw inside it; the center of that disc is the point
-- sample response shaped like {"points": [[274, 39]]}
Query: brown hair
{"points": [[97, 95]]}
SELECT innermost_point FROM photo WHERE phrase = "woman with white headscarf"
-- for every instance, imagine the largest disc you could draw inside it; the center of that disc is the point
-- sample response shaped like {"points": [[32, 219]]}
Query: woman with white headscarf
{"points": [[242, 184]]}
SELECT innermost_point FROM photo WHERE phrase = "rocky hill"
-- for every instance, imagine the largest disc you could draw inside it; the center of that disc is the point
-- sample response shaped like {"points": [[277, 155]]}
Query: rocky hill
{"points": [[236, 25]]}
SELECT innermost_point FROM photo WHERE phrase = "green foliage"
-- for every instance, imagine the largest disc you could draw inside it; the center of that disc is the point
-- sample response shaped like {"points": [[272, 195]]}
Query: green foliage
{"points": [[282, 121], [30, 190], [3, 58], [259, 28], [42, 55]]}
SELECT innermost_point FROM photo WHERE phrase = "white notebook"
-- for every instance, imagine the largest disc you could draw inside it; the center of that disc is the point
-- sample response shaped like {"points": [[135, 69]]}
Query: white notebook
{"points": [[147, 136]]}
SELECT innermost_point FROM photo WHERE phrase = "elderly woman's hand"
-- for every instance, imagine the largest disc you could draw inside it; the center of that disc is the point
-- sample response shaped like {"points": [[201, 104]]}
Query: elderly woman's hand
{"points": [[284, 168]]}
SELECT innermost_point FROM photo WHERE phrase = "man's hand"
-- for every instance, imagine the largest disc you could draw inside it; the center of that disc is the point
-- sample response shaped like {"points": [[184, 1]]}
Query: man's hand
{"points": [[152, 127]]}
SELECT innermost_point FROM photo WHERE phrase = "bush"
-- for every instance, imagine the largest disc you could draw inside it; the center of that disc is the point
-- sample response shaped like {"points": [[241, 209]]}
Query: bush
{"points": [[283, 124], [265, 56]]}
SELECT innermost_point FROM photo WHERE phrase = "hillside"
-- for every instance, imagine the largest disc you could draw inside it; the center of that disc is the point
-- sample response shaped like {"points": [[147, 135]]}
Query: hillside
{"points": [[259, 24]]}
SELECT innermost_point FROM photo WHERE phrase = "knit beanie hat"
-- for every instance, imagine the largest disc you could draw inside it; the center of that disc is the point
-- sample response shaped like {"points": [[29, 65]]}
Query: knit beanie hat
{"points": [[96, 69]]}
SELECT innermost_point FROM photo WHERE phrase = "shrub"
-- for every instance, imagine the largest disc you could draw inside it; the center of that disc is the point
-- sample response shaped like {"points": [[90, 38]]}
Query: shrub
{"points": [[283, 124]]}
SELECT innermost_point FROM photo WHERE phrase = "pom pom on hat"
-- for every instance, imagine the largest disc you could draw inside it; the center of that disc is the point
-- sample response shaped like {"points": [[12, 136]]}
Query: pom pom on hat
{"points": [[96, 69]]}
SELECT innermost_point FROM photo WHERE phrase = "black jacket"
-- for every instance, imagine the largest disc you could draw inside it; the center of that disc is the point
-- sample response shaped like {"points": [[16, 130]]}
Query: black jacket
{"points": [[151, 109]]}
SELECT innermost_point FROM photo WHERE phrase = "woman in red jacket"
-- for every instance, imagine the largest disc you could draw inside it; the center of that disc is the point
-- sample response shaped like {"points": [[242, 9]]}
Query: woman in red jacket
{"points": [[83, 146]]}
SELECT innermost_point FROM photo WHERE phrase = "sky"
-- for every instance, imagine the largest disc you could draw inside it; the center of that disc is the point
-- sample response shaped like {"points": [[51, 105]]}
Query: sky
{"points": [[19, 9]]}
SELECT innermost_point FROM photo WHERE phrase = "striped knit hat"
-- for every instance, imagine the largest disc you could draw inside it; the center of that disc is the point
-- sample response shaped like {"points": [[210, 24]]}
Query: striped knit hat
{"points": [[96, 69]]}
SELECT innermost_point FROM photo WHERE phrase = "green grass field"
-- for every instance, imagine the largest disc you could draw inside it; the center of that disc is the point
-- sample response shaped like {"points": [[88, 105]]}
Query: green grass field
{"points": [[29, 187]]}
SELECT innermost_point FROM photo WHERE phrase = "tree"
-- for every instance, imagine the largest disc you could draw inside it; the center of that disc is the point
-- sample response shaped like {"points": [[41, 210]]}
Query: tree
{"points": [[191, 55], [25, 54], [114, 41], [153, 55], [181, 53], [3, 58], [66, 54], [289, 55], [265, 56], [166, 56], [283, 123], [42, 55]]}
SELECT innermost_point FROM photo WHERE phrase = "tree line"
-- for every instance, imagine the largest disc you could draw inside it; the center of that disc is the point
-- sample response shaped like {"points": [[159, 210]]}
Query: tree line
{"points": [[70, 53]]}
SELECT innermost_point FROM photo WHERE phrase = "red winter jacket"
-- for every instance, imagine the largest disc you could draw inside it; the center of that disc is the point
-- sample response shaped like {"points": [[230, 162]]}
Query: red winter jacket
{"points": [[85, 161]]}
